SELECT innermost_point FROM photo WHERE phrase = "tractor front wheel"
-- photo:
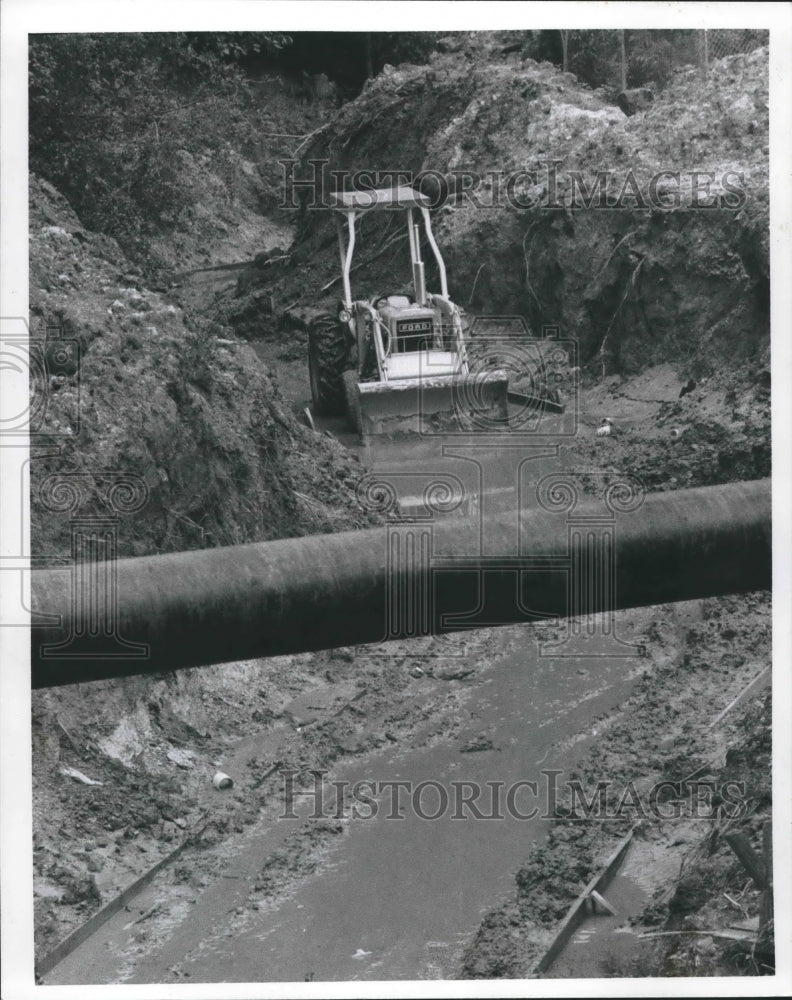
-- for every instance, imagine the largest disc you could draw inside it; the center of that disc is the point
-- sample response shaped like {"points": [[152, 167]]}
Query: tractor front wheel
{"points": [[328, 359]]}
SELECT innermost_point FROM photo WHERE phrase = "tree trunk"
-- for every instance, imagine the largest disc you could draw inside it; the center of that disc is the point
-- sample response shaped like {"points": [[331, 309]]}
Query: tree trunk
{"points": [[623, 47], [766, 899], [368, 62], [565, 51]]}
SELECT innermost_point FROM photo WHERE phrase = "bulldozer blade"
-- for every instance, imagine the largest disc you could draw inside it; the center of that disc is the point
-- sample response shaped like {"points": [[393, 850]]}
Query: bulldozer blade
{"points": [[428, 405], [536, 402]]}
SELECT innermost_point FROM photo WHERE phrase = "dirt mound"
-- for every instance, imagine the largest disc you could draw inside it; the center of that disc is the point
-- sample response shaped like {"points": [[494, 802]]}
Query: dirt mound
{"points": [[233, 189], [149, 750], [165, 142], [172, 400], [644, 237], [717, 433], [714, 891]]}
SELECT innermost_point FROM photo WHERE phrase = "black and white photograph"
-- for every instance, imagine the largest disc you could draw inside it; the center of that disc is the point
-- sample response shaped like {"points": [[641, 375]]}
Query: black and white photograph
{"points": [[395, 452]]}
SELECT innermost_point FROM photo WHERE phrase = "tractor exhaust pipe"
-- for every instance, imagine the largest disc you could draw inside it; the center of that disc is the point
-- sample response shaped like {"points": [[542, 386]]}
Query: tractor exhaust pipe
{"points": [[162, 613]]}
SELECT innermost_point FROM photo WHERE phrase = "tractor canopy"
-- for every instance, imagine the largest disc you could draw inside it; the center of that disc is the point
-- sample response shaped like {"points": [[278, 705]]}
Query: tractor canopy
{"points": [[379, 198]]}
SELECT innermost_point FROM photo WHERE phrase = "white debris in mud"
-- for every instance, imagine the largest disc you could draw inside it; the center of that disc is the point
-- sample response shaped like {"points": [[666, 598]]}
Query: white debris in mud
{"points": [[605, 428], [130, 737], [45, 890], [72, 772], [572, 111], [182, 758]]}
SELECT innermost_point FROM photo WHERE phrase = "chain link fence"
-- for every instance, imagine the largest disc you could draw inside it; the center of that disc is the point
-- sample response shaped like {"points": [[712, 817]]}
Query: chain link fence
{"points": [[721, 42], [638, 58]]}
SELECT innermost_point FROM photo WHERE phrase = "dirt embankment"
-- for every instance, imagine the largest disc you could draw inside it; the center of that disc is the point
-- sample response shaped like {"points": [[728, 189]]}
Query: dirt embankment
{"points": [[175, 401], [672, 265]]}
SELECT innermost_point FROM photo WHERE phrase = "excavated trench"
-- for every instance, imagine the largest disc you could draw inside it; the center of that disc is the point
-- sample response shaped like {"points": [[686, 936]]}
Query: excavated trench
{"points": [[381, 897], [330, 895], [341, 898]]}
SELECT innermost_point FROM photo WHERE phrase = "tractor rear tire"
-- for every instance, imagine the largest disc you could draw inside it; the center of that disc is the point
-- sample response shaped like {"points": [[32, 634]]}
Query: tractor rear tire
{"points": [[328, 359], [352, 393]]}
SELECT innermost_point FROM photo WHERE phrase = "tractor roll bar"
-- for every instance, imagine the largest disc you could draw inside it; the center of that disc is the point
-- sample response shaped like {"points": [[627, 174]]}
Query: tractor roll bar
{"points": [[436, 252], [353, 203], [346, 254]]}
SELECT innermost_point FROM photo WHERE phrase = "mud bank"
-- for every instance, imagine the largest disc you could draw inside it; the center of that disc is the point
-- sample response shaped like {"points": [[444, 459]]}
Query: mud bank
{"points": [[708, 652]]}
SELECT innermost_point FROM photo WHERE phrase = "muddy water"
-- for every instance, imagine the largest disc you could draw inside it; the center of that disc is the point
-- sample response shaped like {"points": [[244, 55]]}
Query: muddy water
{"points": [[399, 898], [390, 898]]}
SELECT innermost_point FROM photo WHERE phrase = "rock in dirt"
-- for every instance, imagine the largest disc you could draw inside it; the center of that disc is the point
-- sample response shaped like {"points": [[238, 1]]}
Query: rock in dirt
{"points": [[453, 673], [182, 758], [635, 100], [72, 772], [477, 744]]}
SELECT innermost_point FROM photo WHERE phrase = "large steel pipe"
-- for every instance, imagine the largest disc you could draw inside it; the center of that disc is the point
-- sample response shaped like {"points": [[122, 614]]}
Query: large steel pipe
{"points": [[188, 609]]}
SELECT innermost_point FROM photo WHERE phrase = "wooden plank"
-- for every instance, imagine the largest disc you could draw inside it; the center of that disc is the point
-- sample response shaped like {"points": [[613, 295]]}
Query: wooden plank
{"points": [[537, 402], [600, 901], [82, 933], [755, 685], [727, 933], [766, 899], [577, 911], [749, 859]]}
